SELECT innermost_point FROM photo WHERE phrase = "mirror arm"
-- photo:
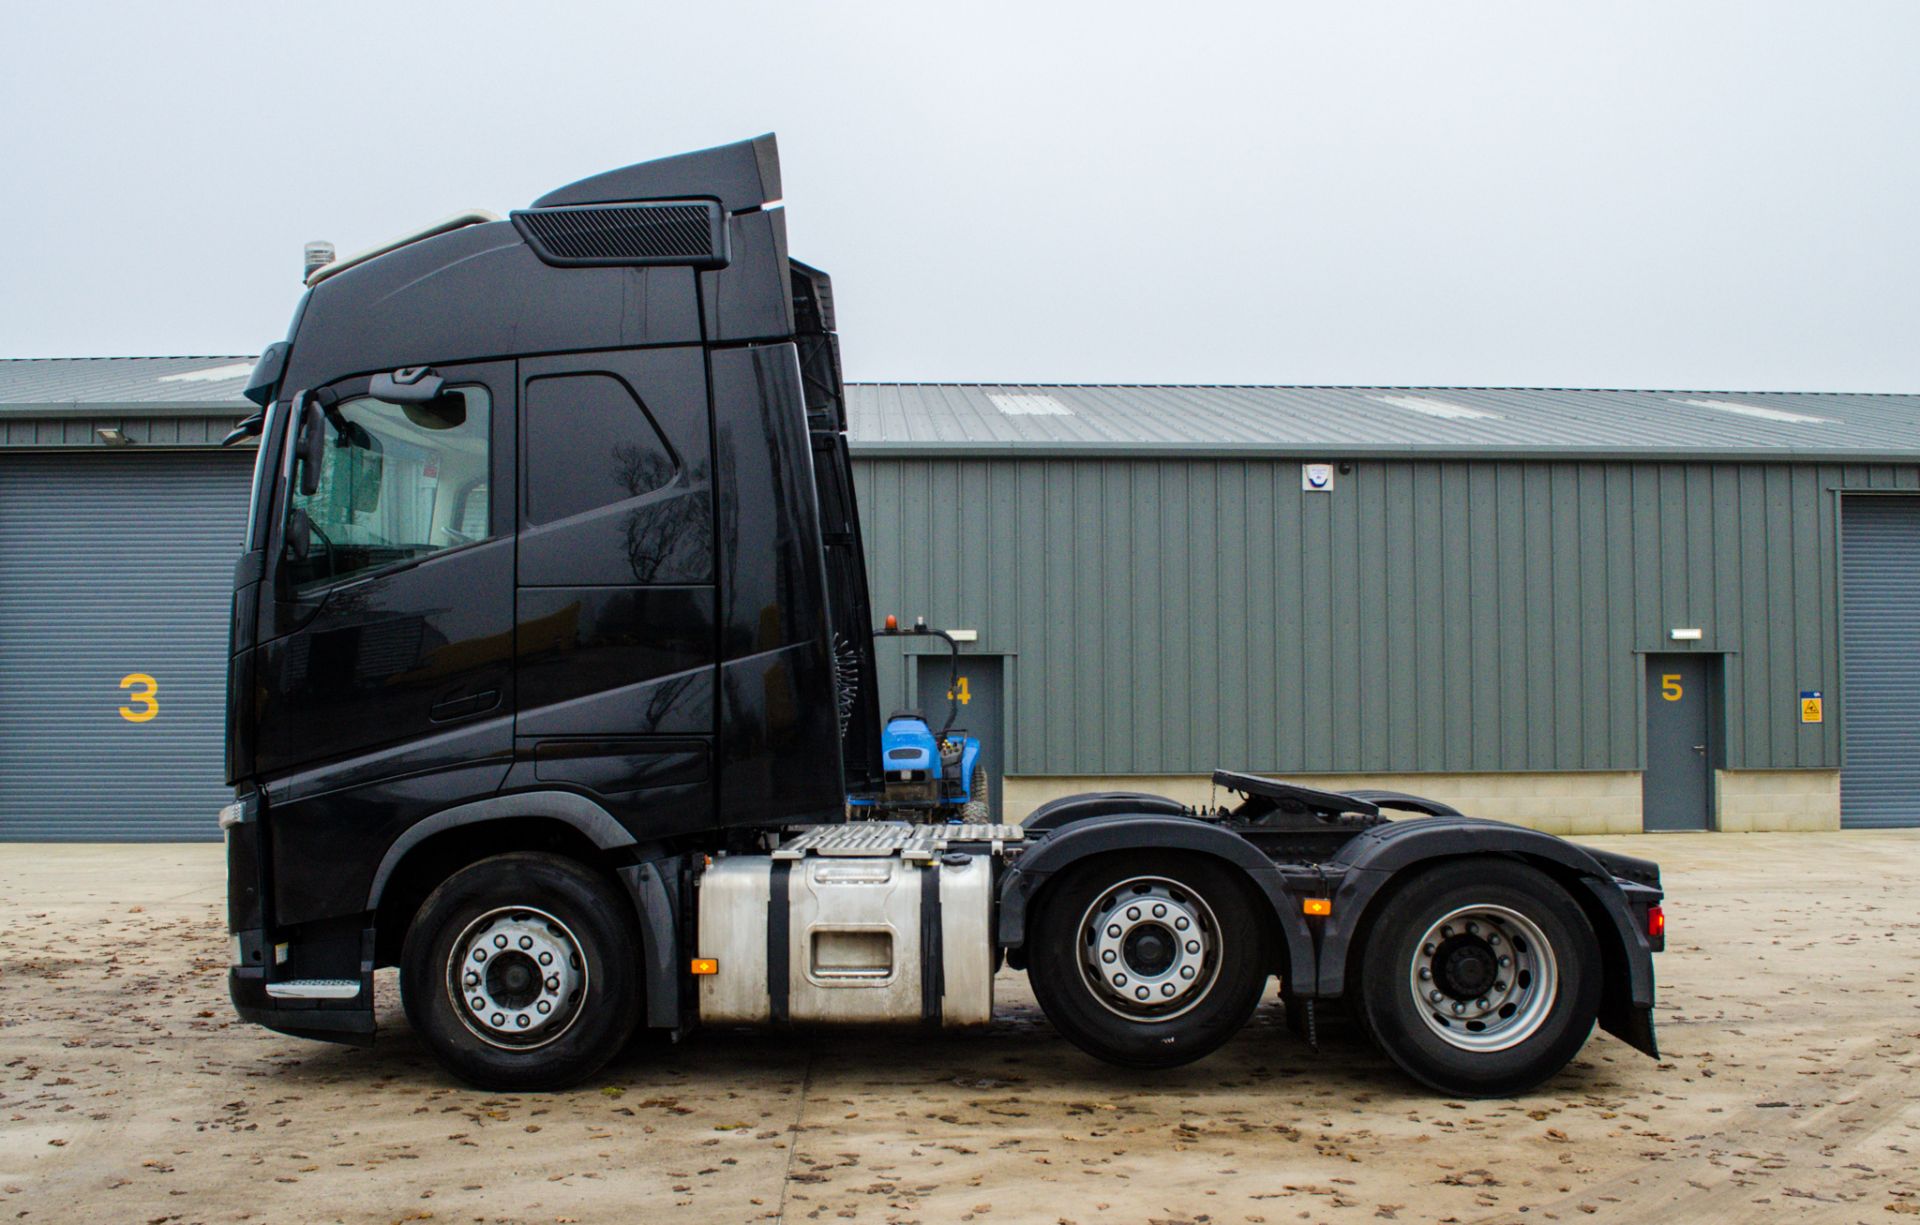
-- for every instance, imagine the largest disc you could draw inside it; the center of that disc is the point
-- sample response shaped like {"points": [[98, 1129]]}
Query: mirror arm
{"points": [[250, 428]]}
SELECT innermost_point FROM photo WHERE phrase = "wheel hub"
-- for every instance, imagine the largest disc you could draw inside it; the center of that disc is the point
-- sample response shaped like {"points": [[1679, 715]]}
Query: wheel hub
{"points": [[1148, 948], [1484, 977], [516, 977]]}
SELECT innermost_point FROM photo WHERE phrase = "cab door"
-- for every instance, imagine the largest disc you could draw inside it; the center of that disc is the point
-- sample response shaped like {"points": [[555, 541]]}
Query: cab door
{"points": [[386, 665]]}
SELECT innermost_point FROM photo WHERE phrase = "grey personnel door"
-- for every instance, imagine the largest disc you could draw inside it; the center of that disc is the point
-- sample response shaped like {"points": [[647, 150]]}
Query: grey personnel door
{"points": [[1677, 787], [979, 693]]}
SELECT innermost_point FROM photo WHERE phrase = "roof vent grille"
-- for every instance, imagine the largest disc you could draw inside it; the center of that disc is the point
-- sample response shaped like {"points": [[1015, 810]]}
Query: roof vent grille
{"points": [[686, 232]]}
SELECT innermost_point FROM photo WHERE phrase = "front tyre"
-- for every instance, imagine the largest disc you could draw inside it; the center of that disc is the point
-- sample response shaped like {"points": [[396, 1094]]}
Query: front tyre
{"points": [[519, 974], [1149, 960], [1481, 978]]}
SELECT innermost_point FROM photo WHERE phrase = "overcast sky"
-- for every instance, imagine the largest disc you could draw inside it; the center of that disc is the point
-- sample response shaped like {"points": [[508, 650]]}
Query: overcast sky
{"points": [[1662, 195]]}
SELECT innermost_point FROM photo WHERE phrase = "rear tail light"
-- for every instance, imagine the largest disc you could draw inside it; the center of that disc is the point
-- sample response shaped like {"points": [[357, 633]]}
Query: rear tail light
{"points": [[1656, 923]]}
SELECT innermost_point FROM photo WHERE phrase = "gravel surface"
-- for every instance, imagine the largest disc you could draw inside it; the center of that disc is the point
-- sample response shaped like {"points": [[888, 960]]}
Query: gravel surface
{"points": [[1790, 1017]]}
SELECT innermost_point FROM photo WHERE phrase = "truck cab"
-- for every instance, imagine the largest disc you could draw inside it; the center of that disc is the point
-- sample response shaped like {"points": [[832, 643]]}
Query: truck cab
{"points": [[552, 673]]}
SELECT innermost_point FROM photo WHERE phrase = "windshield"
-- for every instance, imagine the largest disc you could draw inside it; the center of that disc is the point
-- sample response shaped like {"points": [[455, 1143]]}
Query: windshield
{"points": [[397, 482]]}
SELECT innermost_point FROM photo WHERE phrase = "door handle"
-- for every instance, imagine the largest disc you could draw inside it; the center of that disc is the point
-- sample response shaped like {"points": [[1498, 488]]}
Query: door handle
{"points": [[460, 708], [1700, 749]]}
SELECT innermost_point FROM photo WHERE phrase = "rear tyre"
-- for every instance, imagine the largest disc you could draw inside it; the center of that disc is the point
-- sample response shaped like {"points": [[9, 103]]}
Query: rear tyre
{"points": [[519, 973], [1149, 960], [1481, 978], [978, 810]]}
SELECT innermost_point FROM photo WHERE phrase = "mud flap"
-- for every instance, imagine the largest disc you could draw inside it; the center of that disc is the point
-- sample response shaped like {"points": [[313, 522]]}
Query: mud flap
{"points": [[1632, 1024]]}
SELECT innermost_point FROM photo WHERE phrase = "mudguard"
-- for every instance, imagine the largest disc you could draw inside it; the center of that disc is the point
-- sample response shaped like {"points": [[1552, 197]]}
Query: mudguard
{"points": [[1055, 813], [1096, 835], [595, 822], [1365, 865]]}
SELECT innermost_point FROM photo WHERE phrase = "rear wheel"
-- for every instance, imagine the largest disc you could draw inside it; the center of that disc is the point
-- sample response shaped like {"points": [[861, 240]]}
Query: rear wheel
{"points": [[1481, 978], [978, 810], [518, 973], [1148, 961]]}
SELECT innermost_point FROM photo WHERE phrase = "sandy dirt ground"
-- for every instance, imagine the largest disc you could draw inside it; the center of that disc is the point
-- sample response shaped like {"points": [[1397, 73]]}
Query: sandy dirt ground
{"points": [[1790, 1090]]}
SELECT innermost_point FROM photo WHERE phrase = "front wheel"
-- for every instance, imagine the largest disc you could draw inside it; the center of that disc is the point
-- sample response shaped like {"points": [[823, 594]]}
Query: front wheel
{"points": [[519, 973], [1481, 978], [1148, 960]]}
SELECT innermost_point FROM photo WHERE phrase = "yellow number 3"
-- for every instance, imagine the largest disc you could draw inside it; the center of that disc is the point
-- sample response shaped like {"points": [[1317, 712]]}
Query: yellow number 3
{"points": [[144, 695], [1670, 686]]}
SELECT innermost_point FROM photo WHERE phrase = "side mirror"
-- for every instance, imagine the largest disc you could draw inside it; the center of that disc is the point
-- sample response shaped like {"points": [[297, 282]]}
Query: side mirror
{"points": [[299, 534], [313, 448]]}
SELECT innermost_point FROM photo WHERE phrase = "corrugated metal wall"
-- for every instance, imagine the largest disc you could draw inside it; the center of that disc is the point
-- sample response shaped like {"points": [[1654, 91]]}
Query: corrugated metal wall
{"points": [[1169, 616], [114, 563]]}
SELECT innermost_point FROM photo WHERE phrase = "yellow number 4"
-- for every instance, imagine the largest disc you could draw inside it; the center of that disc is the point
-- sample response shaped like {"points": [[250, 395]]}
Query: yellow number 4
{"points": [[1670, 686], [144, 694], [960, 693]]}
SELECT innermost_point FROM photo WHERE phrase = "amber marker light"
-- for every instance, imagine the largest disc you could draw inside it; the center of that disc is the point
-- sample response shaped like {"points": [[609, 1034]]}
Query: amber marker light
{"points": [[706, 965], [1317, 905]]}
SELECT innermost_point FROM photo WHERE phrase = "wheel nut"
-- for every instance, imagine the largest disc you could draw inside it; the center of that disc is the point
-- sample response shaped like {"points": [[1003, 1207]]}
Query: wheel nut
{"points": [[498, 1020], [1159, 911], [1107, 956], [473, 980], [526, 942], [1141, 993], [1480, 1004], [546, 959], [479, 954], [1193, 946], [1119, 980], [1459, 1008], [477, 1004], [1434, 996], [1425, 973], [553, 983], [544, 1007], [499, 942], [1499, 986], [1427, 950], [1186, 972], [1114, 931], [1181, 924], [1506, 961], [1493, 938], [1133, 912], [1166, 989], [1473, 929]]}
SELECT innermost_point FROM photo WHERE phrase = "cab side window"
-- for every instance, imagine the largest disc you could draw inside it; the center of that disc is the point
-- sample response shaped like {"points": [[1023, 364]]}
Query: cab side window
{"points": [[590, 443], [398, 482]]}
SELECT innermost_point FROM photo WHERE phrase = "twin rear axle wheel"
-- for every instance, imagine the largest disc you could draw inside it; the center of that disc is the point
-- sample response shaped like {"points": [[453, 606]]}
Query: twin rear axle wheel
{"points": [[1479, 978]]}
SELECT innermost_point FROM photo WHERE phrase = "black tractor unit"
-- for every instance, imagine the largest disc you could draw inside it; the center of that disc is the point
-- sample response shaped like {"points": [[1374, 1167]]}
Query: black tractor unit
{"points": [[553, 676]]}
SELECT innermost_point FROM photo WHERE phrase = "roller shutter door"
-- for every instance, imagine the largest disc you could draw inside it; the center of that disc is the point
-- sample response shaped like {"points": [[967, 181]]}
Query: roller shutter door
{"points": [[1880, 585], [113, 565]]}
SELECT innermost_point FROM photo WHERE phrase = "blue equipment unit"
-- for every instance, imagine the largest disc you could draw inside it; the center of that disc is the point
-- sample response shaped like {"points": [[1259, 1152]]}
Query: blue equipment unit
{"points": [[923, 770]]}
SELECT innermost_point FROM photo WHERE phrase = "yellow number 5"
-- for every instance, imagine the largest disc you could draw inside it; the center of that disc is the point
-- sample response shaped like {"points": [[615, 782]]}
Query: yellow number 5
{"points": [[1670, 686], [144, 695]]}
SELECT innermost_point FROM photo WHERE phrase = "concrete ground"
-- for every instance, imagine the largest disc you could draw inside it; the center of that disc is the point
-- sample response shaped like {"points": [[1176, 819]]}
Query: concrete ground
{"points": [[1790, 1015]]}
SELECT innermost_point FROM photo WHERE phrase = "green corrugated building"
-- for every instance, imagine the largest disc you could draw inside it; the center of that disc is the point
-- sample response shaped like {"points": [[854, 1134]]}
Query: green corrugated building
{"points": [[1593, 611], [1585, 610]]}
